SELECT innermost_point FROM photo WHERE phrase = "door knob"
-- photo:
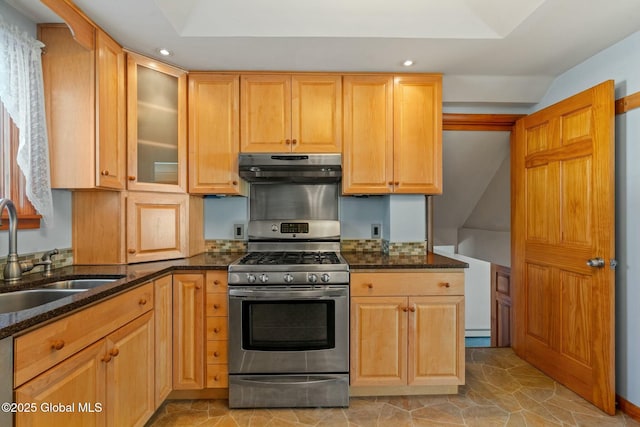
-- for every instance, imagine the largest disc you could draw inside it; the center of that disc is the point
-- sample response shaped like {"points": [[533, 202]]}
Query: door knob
{"points": [[596, 262]]}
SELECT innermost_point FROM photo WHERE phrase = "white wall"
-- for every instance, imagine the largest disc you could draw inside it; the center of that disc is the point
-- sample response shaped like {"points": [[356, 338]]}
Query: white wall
{"points": [[621, 63]]}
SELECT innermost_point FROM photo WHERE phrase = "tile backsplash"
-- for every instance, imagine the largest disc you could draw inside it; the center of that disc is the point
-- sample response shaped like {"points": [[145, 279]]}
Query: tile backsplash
{"points": [[222, 245], [384, 246], [63, 259]]}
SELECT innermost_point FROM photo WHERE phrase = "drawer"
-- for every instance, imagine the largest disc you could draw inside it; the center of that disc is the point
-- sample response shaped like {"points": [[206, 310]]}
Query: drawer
{"points": [[217, 328], [216, 305], [217, 376], [407, 283], [217, 352], [217, 282], [42, 348]]}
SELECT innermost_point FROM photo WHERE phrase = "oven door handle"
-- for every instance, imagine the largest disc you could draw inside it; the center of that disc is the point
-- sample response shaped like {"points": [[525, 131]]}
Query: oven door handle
{"points": [[287, 380], [291, 295]]}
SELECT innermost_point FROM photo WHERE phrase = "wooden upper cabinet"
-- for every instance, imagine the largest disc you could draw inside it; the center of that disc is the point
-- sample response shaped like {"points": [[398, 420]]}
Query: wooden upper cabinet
{"points": [[392, 134], [214, 133], [156, 125], [368, 135], [291, 113], [85, 109]]}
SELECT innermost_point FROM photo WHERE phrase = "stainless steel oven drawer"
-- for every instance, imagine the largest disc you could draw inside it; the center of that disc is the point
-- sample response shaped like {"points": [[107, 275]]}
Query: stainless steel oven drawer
{"points": [[289, 391]]}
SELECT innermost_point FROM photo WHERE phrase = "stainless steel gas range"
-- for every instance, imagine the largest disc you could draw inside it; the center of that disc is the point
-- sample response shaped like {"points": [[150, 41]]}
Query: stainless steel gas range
{"points": [[289, 296]]}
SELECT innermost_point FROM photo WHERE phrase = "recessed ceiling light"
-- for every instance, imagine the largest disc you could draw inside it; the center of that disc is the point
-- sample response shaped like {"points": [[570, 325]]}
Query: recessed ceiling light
{"points": [[408, 63], [164, 52]]}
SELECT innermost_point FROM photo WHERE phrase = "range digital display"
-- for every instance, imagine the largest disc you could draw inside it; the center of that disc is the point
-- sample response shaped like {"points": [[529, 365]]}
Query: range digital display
{"points": [[294, 227]]}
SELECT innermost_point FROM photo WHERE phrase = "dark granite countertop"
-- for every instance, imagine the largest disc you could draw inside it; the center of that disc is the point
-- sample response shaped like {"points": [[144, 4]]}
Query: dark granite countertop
{"points": [[132, 275], [376, 260], [129, 276]]}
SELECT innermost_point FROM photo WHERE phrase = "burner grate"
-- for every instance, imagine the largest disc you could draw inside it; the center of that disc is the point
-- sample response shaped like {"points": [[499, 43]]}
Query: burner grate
{"points": [[289, 258]]}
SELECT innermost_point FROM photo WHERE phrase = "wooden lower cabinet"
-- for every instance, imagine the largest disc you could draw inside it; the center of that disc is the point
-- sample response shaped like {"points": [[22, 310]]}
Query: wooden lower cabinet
{"points": [[188, 331], [407, 333], [217, 330], [109, 383], [163, 304]]}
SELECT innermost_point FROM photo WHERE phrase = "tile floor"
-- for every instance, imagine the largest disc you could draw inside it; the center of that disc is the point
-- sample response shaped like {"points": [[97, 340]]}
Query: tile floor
{"points": [[501, 390]]}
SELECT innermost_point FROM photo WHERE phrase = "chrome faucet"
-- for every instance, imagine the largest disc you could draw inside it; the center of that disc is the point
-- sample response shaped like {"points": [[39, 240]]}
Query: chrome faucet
{"points": [[13, 269]]}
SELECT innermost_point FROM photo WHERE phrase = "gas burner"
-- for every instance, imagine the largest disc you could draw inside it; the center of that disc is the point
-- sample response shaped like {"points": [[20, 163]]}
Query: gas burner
{"points": [[289, 258]]}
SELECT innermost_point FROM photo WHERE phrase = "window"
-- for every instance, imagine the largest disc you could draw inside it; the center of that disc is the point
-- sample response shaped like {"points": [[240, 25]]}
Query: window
{"points": [[11, 178]]}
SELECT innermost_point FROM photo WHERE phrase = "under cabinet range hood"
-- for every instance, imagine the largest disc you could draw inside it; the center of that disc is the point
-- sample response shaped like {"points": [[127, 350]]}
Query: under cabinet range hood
{"points": [[295, 168]]}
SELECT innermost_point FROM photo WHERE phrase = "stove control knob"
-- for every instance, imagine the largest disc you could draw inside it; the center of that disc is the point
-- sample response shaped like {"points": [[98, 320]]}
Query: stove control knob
{"points": [[325, 277], [264, 278], [288, 278], [274, 228], [313, 278], [251, 278]]}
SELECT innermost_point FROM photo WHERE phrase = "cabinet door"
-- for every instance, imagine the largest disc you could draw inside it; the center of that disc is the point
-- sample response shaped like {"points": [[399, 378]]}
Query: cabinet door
{"points": [[79, 379], [130, 373], [188, 336], [368, 135], [156, 226], [157, 125], [163, 306], [436, 340], [378, 341], [214, 127], [265, 113], [417, 141], [316, 110], [111, 125]]}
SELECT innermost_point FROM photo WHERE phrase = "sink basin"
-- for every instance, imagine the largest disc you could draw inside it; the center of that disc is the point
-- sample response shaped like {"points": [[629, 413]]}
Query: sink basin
{"points": [[79, 284], [22, 300]]}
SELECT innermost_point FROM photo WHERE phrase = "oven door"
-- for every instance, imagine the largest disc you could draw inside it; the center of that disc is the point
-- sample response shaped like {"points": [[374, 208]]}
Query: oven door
{"points": [[284, 330]]}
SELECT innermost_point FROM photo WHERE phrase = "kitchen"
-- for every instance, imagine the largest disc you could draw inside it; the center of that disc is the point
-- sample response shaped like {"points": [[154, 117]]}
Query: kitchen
{"points": [[397, 205]]}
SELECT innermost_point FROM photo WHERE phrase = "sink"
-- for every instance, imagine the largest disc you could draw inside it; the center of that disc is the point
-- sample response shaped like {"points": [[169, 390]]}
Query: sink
{"points": [[22, 300], [79, 284]]}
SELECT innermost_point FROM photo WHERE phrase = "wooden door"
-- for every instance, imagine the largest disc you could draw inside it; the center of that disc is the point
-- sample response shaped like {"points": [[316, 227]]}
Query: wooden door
{"points": [[436, 340], [130, 373], [368, 135], [378, 341], [214, 137], [316, 113], [417, 141], [156, 226], [563, 216], [80, 378], [111, 161], [188, 331], [163, 307], [265, 113]]}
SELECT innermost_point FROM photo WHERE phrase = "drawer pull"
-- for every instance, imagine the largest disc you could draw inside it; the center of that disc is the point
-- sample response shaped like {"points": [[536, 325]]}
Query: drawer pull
{"points": [[235, 182], [104, 172], [57, 345], [216, 354], [132, 178], [445, 285], [405, 309], [412, 309], [216, 330], [369, 285], [142, 301], [106, 358], [114, 352], [216, 282], [216, 379], [132, 251], [216, 306], [287, 141], [294, 142]]}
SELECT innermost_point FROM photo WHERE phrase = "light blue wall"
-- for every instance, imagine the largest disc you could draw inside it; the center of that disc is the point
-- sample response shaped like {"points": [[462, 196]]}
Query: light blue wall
{"points": [[10, 15], [620, 62]]}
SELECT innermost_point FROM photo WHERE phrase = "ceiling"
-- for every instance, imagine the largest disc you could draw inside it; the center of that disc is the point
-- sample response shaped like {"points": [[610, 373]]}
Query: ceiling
{"points": [[490, 51]]}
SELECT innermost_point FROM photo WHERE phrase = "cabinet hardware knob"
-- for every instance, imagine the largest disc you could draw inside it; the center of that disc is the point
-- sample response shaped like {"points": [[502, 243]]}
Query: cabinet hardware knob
{"points": [[294, 142], [142, 301], [216, 282], [216, 306], [215, 378], [216, 330], [197, 287], [216, 354], [405, 309], [445, 285], [235, 182], [114, 352], [104, 172], [390, 182], [397, 183], [106, 358], [132, 178], [412, 309], [57, 345], [369, 285], [132, 251], [287, 141]]}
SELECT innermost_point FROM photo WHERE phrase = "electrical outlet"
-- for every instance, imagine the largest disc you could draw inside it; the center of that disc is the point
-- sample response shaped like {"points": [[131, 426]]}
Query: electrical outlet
{"points": [[238, 231], [375, 231]]}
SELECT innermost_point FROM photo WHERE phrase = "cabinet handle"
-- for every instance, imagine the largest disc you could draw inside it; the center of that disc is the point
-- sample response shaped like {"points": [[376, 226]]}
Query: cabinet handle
{"points": [[445, 285], [405, 309], [369, 285], [142, 301], [216, 379], [216, 306], [57, 345], [412, 309], [106, 358], [216, 354], [197, 287], [114, 351], [132, 178], [294, 142], [216, 282], [132, 251], [235, 183], [216, 330], [397, 183], [104, 172], [287, 141]]}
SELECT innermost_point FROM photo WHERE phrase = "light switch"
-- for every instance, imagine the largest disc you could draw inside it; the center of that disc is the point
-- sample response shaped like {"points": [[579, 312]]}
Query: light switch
{"points": [[375, 231], [238, 231]]}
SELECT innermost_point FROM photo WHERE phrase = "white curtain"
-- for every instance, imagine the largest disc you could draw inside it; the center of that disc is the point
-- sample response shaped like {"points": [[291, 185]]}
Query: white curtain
{"points": [[22, 92]]}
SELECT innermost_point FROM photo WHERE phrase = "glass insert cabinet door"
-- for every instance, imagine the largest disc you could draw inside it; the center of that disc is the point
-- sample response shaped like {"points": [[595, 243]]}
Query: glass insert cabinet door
{"points": [[156, 114]]}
